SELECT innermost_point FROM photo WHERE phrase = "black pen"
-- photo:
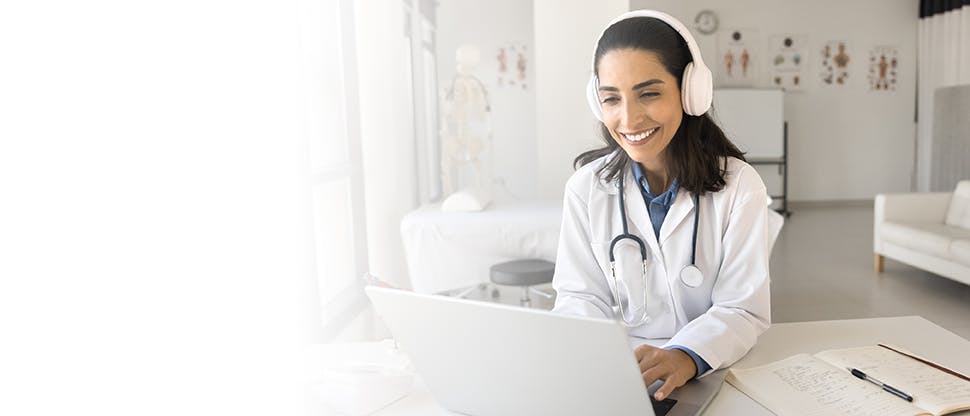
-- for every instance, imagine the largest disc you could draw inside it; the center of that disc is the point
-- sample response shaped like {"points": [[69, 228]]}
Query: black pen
{"points": [[884, 386]]}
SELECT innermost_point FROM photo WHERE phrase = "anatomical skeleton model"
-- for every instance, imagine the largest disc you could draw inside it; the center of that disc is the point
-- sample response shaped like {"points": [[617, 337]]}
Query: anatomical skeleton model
{"points": [[466, 131]]}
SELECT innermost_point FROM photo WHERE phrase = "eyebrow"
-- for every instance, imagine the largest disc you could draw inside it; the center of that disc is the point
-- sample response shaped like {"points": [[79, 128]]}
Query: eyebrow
{"points": [[643, 84]]}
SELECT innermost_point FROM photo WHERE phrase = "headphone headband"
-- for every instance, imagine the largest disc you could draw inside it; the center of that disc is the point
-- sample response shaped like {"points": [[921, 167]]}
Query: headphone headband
{"points": [[697, 86]]}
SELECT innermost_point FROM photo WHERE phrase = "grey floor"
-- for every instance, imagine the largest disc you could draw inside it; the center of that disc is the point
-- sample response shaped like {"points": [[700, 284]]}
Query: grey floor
{"points": [[822, 268]]}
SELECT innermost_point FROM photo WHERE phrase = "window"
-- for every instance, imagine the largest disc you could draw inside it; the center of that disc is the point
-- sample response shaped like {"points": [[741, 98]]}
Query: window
{"points": [[335, 165]]}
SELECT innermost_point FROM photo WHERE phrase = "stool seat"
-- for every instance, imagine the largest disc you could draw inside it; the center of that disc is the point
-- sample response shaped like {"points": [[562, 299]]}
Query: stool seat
{"points": [[522, 272]]}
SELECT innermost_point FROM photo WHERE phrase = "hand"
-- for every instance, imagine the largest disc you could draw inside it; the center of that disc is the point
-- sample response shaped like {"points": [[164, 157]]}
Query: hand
{"points": [[673, 366]]}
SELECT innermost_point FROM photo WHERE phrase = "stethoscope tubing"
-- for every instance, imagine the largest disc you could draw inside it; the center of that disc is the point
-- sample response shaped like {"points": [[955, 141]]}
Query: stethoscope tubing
{"points": [[643, 249], [690, 278]]}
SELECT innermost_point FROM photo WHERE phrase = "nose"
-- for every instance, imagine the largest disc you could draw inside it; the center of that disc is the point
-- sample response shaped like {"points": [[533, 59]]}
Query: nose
{"points": [[630, 114]]}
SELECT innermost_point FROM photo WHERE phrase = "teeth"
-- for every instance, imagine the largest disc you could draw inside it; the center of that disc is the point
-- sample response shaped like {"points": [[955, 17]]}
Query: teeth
{"points": [[641, 136]]}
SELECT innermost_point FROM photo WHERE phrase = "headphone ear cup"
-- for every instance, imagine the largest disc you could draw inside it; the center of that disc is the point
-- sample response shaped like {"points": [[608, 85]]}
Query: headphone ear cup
{"points": [[698, 89], [687, 90], [593, 98], [703, 89]]}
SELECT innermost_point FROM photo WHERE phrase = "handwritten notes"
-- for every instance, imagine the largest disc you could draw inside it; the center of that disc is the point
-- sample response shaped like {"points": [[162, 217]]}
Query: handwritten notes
{"points": [[805, 385], [932, 389]]}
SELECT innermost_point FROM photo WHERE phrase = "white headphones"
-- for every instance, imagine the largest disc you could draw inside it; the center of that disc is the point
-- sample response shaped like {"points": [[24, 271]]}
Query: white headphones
{"points": [[697, 87]]}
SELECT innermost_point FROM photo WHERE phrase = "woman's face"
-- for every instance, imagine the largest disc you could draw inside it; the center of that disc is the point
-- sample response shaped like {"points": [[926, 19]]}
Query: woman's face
{"points": [[641, 104]]}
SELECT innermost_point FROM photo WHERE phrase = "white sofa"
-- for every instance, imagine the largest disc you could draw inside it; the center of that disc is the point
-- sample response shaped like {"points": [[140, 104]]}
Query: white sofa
{"points": [[928, 230]]}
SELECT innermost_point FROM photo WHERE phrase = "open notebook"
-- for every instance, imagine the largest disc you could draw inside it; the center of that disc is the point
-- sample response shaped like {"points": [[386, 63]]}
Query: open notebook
{"points": [[821, 384]]}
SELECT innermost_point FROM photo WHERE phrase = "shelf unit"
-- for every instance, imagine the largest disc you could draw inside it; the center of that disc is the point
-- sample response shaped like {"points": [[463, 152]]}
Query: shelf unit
{"points": [[782, 163]]}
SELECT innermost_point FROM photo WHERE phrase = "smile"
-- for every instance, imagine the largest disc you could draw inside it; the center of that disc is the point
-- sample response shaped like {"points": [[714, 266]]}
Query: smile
{"points": [[640, 136]]}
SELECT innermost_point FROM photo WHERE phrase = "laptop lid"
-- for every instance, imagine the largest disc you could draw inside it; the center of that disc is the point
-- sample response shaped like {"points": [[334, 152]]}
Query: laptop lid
{"points": [[490, 359]]}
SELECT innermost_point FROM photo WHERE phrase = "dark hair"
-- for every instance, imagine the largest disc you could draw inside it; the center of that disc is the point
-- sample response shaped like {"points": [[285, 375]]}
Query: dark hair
{"points": [[695, 153]]}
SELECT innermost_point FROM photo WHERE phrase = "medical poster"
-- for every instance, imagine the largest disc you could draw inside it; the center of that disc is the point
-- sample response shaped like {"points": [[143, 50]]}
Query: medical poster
{"points": [[787, 61], [883, 62], [737, 57], [835, 63], [512, 64]]}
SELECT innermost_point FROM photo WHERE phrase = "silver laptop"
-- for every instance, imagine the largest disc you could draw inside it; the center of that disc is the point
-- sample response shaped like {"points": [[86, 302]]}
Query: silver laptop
{"points": [[488, 359]]}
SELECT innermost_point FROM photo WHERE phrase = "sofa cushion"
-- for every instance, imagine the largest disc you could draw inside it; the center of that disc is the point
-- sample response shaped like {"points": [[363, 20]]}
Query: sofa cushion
{"points": [[927, 238], [960, 251], [958, 214]]}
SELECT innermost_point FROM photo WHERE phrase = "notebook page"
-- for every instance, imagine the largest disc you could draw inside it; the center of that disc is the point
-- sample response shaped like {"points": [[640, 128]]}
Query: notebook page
{"points": [[805, 385], [932, 389]]}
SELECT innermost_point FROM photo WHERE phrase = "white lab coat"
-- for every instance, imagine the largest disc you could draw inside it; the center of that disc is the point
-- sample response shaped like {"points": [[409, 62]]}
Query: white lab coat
{"points": [[721, 319]]}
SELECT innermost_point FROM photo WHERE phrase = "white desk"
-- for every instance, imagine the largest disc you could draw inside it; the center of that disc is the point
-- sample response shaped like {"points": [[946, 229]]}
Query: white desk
{"points": [[782, 340]]}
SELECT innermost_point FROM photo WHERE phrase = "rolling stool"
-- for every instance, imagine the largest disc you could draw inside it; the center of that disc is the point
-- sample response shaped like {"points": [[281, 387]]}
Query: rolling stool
{"points": [[524, 273]]}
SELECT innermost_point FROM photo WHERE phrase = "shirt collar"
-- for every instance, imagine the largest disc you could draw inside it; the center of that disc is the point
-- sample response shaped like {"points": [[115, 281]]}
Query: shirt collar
{"points": [[641, 178]]}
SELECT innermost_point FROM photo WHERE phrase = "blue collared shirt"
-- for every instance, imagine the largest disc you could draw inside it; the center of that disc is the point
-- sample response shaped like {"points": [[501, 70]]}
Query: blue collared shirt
{"points": [[657, 207]]}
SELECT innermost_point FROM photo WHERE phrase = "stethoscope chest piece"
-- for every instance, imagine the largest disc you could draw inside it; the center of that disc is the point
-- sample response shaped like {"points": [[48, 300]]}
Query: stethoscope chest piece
{"points": [[691, 276]]}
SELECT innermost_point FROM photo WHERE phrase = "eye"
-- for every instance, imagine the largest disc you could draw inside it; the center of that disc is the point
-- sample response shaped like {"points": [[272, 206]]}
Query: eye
{"points": [[649, 94], [609, 100]]}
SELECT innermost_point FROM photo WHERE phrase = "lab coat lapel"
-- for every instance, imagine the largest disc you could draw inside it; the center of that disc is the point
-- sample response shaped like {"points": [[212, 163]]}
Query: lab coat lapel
{"points": [[636, 211], [680, 211]]}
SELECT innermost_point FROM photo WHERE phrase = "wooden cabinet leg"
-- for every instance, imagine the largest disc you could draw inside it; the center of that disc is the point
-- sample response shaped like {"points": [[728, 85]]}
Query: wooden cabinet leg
{"points": [[879, 262]]}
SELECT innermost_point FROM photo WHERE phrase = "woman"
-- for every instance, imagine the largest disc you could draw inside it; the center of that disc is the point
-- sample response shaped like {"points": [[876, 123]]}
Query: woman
{"points": [[667, 187]]}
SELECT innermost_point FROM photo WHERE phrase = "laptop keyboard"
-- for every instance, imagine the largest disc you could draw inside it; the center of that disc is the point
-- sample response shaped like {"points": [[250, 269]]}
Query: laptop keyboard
{"points": [[662, 407]]}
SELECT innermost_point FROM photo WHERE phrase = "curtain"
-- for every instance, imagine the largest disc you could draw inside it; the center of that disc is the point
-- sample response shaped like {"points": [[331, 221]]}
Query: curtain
{"points": [[943, 60]]}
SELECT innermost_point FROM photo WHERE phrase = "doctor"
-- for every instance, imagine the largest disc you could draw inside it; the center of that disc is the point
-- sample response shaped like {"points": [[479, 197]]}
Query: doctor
{"points": [[664, 228]]}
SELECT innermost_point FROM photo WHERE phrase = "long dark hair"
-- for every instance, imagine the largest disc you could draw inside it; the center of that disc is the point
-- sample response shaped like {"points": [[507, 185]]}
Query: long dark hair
{"points": [[698, 147]]}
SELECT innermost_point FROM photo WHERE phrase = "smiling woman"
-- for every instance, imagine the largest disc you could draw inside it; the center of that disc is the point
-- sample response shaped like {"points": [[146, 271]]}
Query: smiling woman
{"points": [[703, 283], [652, 58], [642, 117]]}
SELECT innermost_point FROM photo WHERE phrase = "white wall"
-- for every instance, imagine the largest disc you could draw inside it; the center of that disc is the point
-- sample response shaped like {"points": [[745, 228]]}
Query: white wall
{"points": [[844, 143], [489, 26], [387, 133], [565, 32]]}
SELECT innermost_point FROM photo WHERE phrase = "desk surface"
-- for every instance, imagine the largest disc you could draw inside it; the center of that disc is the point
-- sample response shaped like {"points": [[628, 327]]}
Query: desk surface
{"points": [[782, 340]]}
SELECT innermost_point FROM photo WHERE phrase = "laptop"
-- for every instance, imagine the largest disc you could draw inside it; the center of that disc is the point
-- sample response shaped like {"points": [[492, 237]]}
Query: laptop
{"points": [[488, 359]]}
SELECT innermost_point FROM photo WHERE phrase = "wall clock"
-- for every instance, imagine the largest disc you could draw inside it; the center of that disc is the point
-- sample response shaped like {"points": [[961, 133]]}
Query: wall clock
{"points": [[706, 22]]}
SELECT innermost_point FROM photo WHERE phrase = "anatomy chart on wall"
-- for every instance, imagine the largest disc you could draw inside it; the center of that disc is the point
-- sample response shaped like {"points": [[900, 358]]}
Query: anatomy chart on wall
{"points": [[512, 64], [883, 64], [737, 51], [835, 58], [786, 57]]}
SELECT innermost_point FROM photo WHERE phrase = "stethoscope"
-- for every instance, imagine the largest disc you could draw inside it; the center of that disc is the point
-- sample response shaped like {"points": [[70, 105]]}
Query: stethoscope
{"points": [[690, 275]]}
